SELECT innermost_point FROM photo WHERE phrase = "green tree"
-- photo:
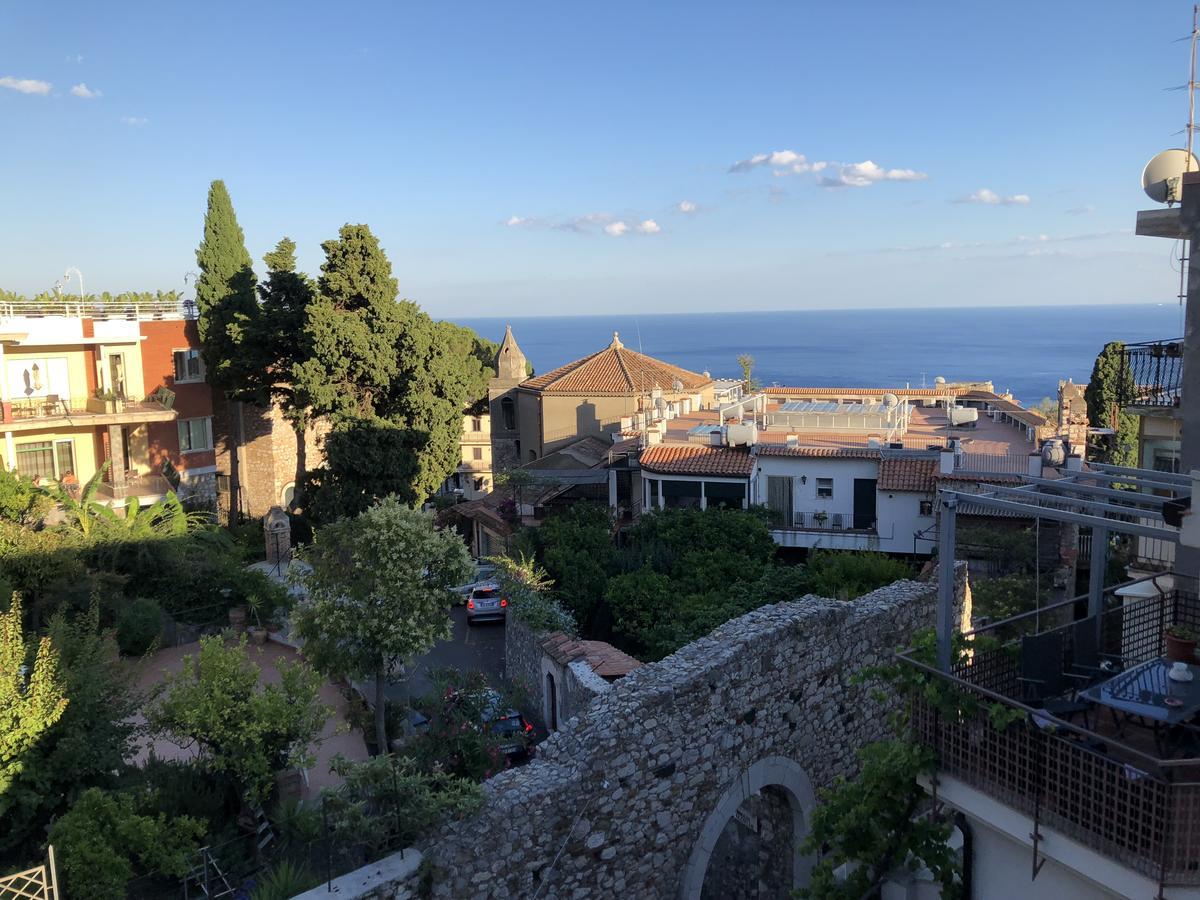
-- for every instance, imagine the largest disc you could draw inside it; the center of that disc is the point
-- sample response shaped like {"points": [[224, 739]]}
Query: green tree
{"points": [[365, 459], [90, 742], [242, 730], [20, 501], [1110, 387], [225, 294], [282, 340], [104, 842], [746, 363], [31, 701], [579, 557], [846, 576], [379, 594], [351, 328]]}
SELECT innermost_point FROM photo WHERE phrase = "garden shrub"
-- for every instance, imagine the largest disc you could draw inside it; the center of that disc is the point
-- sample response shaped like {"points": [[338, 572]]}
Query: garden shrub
{"points": [[139, 625]]}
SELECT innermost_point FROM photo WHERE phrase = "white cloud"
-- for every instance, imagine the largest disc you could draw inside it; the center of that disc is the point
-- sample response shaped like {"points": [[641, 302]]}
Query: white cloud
{"points": [[134, 120], [649, 226], [616, 229], [686, 206], [76, 58], [1085, 210], [518, 221], [82, 90], [988, 197], [26, 85], [863, 174], [588, 223]]}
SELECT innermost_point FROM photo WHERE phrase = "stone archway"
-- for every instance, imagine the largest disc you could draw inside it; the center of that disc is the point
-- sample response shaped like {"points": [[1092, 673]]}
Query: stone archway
{"points": [[784, 779]]}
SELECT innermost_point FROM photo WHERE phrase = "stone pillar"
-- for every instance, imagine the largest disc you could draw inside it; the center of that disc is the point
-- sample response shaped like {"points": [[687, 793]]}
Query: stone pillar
{"points": [[612, 488], [277, 530], [116, 455], [946, 462], [1035, 465]]}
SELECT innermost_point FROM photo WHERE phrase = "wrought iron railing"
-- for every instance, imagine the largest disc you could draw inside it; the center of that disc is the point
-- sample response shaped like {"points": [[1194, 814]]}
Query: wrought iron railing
{"points": [[1095, 787], [1152, 374]]}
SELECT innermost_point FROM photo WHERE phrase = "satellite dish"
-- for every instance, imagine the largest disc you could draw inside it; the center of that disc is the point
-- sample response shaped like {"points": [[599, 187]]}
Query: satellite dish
{"points": [[891, 401], [1162, 179]]}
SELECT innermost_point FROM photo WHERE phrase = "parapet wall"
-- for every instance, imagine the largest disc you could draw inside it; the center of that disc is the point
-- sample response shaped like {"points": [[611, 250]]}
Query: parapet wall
{"points": [[619, 797]]}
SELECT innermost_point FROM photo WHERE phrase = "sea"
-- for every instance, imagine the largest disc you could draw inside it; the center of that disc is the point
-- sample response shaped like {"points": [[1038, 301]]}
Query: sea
{"points": [[1025, 350]]}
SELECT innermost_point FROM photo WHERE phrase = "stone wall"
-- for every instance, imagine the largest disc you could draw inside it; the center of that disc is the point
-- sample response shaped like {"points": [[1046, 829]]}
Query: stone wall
{"points": [[523, 665], [527, 664], [629, 798]]}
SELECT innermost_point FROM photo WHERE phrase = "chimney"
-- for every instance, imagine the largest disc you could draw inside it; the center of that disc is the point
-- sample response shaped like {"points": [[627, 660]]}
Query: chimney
{"points": [[1074, 463], [946, 462], [1035, 465]]}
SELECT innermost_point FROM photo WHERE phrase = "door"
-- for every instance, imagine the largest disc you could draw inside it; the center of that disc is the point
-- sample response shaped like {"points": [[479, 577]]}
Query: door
{"points": [[779, 497], [551, 703], [864, 503], [116, 374]]}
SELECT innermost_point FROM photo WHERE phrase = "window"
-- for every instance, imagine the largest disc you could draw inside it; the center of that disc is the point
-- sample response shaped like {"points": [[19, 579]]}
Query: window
{"points": [[508, 408], [195, 434], [1166, 461], [64, 453], [476, 424], [926, 508], [477, 452], [36, 459], [188, 366], [824, 487]]}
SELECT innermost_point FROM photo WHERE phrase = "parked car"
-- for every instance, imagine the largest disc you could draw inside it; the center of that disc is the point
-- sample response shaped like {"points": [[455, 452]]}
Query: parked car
{"points": [[484, 573], [486, 605], [507, 722]]}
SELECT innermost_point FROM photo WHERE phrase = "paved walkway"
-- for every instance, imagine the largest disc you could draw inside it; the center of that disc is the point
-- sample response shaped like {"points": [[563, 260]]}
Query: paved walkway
{"points": [[335, 737]]}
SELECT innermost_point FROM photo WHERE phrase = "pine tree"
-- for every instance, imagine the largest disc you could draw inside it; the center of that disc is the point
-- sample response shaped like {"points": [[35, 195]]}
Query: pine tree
{"points": [[225, 293], [351, 327]]}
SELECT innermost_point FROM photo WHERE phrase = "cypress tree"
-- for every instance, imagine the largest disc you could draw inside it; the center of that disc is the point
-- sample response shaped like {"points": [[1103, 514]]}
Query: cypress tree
{"points": [[225, 294], [286, 295], [1110, 387]]}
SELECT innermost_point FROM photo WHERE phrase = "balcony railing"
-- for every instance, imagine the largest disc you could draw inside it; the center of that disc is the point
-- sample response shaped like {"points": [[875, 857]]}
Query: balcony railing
{"points": [[51, 407], [818, 521], [131, 307], [134, 486], [1152, 374], [1112, 789]]}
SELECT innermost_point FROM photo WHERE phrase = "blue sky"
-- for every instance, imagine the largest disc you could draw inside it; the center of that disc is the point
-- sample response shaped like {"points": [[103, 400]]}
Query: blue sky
{"points": [[530, 158]]}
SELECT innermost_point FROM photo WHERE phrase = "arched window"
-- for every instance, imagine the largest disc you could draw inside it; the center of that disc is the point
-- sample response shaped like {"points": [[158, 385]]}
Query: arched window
{"points": [[509, 411]]}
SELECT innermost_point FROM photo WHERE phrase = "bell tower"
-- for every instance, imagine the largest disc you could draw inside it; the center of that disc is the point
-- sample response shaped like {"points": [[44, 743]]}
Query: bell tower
{"points": [[503, 403]]}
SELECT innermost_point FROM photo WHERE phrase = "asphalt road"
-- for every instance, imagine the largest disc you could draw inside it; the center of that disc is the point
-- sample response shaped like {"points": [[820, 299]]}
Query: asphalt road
{"points": [[470, 648]]}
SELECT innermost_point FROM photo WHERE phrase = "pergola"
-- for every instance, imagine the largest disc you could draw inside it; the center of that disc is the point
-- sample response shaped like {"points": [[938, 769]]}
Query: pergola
{"points": [[1082, 497]]}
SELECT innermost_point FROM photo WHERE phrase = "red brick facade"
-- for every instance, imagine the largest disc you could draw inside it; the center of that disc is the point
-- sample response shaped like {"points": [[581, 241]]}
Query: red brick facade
{"points": [[192, 399]]}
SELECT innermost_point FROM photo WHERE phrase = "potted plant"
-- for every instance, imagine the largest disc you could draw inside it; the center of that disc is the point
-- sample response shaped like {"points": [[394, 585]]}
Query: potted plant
{"points": [[820, 517], [258, 633], [107, 401], [276, 620], [237, 619], [1181, 644]]}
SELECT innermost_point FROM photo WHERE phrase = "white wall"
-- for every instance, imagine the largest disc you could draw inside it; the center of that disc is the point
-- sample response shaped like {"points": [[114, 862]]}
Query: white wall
{"points": [[1003, 869], [899, 519], [804, 496]]}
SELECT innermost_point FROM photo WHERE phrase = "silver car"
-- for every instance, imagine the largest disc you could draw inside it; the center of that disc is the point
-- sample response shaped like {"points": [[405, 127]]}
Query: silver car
{"points": [[486, 605]]}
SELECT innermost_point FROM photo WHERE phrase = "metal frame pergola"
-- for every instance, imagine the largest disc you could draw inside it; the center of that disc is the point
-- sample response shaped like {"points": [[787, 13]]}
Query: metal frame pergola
{"points": [[1080, 497]]}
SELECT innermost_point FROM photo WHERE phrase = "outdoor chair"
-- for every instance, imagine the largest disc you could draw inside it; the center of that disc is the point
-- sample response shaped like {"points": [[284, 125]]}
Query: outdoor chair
{"points": [[1043, 682], [1088, 664], [836, 522]]}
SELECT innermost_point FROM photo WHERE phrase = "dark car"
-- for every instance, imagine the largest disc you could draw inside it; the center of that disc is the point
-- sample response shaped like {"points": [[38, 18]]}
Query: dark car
{"points": [[486, 605], [514, 730]]}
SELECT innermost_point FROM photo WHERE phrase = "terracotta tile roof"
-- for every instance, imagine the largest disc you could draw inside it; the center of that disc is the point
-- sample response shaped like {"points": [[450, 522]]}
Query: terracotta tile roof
{"points": [[697, 459], [615, 370], [607, 661], [898, 473], [858, 391], [841, 452]]}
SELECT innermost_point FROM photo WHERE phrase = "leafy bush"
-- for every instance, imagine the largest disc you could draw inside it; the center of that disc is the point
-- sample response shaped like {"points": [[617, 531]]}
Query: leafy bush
{"points": [[20, 501], [456, 740], [845, 576], [243, 731], [139, 625], [528, 589], [103, 842], [284, 881]]}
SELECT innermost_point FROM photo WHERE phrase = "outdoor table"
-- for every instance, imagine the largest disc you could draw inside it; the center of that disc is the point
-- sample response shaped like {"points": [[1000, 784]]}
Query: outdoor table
{"points": [[1143, 690]]}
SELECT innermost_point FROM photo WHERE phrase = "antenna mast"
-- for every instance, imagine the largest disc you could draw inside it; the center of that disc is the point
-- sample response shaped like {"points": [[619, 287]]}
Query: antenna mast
{"points": [[1185, 250]]}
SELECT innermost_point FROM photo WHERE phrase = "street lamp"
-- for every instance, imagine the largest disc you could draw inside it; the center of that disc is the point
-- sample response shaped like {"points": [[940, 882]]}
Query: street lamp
{"points": [[62, 282]]}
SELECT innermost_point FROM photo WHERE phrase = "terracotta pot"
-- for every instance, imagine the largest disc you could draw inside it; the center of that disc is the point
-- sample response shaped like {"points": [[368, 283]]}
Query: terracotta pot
{"points": [[258, 635], [1180, 650], [237, 619]]}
